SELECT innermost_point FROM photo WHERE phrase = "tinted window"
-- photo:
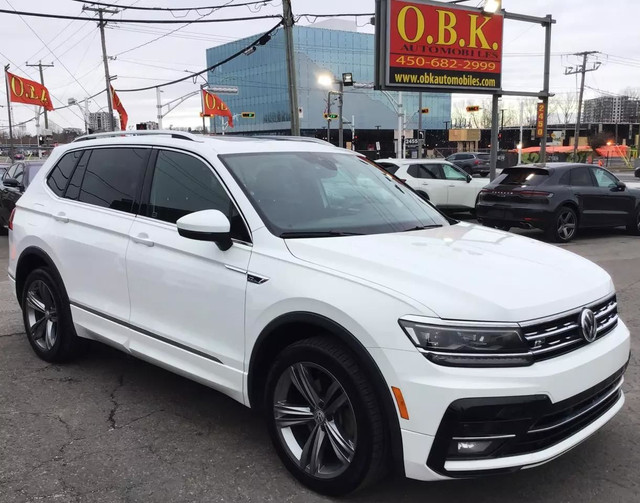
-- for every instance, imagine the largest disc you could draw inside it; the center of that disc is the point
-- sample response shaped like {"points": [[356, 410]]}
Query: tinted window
{"points": [[433, 171], [32, 170], [451, 173], [465, 156], [17, 172], [523, 176], [183, 184], [59, 177], [113, 177], [73, 189], [604, 178], [389, 168], [315, 194], [580, 177], [484, 157]]}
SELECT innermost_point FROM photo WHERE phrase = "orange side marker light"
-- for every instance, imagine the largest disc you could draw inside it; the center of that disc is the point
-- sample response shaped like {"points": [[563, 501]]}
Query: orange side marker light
{"points": [[402, 406]]}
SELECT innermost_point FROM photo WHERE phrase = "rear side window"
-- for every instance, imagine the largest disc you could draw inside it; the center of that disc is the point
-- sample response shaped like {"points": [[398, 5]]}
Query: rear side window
{"points": [[112, 178], [484, 157], [388, 167], [524, 176], [60, 175], [580, 177]]}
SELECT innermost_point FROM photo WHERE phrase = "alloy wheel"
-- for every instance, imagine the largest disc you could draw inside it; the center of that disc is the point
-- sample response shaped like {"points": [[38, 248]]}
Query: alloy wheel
{"points": [[42, 315], [315, 421], [566, 225]]}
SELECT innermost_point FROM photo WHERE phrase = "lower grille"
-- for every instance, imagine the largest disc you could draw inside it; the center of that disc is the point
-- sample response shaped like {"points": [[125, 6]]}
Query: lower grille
{"points": [[518, 425], [561, 334]]}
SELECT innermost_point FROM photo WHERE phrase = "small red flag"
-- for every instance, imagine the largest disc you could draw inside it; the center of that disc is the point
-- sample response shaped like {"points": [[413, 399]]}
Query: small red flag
{"points": [[23, 90], [215, 106], [117, 106]]}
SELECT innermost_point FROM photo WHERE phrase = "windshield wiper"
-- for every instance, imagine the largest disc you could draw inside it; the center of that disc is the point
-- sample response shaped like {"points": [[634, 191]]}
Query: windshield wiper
{"points": [[422, 227], [317, 234]]}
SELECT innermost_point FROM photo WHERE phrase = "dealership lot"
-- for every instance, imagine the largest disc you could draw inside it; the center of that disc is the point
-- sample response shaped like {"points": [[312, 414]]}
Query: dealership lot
{"points": [[112, 428]]}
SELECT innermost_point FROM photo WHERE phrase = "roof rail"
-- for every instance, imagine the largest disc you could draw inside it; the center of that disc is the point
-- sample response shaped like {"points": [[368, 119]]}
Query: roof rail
{"points": [[112, 134], [309, 139]]}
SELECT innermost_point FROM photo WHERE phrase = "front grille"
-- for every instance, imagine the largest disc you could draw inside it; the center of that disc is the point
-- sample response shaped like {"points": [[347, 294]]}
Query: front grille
{"points": [[561, 334], [568, 417]]}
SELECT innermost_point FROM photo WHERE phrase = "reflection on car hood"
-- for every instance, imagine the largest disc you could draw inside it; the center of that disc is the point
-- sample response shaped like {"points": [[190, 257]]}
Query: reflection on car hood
{"points": [[465, 271]]}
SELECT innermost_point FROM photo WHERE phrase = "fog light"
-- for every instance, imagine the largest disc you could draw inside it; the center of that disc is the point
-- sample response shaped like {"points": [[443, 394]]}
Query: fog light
{"points": [[475, 447]]}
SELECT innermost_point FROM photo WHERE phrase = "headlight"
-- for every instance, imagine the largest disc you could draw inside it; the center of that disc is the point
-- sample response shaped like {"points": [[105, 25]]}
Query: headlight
{"points": [[468, 345]]}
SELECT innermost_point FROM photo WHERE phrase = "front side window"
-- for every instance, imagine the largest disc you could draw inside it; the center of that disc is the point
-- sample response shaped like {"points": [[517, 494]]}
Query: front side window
{"points": [[316, 194], [604, 178], [112, 178], [183, 184], [452, 173]]}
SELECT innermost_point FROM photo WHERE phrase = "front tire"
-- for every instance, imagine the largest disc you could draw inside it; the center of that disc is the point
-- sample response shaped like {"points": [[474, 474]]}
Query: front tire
{"points": [[47, 318], [633, 227], [324, 417], [563, 226]]}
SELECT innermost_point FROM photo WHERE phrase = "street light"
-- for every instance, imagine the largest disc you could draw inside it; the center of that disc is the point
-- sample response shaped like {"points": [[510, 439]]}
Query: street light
{"points": [[491, 6], [327, 80]]}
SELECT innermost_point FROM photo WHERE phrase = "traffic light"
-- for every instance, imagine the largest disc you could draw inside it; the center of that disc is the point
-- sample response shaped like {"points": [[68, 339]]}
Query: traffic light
{"points": [[248, 115], [329, 116], [424, 110], [473, 108]]}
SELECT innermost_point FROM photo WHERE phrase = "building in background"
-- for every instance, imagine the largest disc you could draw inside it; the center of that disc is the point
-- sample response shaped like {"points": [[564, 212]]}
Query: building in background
{"points": [[261, 78], [99, 121], [611, 109]]}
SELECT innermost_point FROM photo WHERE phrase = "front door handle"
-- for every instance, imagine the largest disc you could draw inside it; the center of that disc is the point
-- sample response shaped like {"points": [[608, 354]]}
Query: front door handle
{"points": [[142, 239], [61, 217]]}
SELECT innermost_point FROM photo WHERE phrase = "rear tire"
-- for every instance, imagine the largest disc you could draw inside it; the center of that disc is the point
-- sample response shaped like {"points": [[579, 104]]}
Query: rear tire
{"points": [[564, 225], [324, 417], [633, 227], [47, 318]]}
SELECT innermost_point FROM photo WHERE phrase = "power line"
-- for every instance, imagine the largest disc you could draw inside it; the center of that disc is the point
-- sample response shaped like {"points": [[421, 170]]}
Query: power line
{"points": [[259, 41], [147, 21], [176, 9]]}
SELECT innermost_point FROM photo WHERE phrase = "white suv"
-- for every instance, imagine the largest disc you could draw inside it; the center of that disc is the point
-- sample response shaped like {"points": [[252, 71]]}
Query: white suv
{"points": [[301, 280], [442, 183]]}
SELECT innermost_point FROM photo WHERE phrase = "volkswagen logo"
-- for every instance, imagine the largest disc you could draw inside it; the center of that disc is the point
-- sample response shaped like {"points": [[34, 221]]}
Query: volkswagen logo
{"points": [[588, 325]]}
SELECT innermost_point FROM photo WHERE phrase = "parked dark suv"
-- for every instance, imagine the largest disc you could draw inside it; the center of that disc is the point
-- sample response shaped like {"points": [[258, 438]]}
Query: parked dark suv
{"points": [[473, 163], [559, 198], [12, 185]]}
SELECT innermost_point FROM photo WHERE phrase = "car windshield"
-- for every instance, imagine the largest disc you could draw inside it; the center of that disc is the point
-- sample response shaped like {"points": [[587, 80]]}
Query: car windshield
{"points": [[484, 157], [321, 194], [523, 176]]}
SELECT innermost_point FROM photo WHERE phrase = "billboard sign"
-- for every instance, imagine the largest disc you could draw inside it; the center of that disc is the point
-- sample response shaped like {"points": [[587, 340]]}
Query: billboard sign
{"points": [[540, 120], [423, 45]]}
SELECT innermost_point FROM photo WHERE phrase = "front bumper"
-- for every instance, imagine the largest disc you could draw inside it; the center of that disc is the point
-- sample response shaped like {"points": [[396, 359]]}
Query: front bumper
{"points": [[549, 390]]}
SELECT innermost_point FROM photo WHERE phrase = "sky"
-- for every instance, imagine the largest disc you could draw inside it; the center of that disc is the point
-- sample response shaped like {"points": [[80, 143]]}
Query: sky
{"points": [[74, 48]]}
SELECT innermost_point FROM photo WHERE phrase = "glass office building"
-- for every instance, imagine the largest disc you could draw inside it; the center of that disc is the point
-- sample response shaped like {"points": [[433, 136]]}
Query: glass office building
{"points": [[261, 78]]}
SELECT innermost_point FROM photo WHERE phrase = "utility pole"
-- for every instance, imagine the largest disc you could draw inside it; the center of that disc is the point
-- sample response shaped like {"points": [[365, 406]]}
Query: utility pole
{"points": [[420, 126], [41, 66], [288, 23], [101, 11], [340, 122], [6, 81], [329, 118], [159, 107], [582, 69]]}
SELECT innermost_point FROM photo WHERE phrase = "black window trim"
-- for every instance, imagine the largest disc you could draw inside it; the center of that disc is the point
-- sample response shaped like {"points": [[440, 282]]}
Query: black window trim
{"points": [[145, 192]]}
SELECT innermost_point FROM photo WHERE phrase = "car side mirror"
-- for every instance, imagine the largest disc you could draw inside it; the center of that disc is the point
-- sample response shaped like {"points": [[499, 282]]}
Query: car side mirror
{"points": [[12, 182], [619, 187], [469, 178], [206, 225]]}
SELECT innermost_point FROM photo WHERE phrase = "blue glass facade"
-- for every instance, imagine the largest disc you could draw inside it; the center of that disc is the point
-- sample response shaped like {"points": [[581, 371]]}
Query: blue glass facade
{"points": [[261, 78]]}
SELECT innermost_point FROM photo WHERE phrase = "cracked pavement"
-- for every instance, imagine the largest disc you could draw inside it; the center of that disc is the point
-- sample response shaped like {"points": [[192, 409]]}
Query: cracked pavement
{"points": [[111, 428]]}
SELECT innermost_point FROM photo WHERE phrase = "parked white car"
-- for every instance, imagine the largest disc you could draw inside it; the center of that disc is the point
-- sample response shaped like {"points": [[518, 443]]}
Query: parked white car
{"points": [[444, 184], [303, 281]]}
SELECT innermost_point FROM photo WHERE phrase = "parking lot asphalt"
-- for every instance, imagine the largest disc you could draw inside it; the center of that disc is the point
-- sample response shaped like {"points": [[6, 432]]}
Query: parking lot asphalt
{"points": [[111, 428]]}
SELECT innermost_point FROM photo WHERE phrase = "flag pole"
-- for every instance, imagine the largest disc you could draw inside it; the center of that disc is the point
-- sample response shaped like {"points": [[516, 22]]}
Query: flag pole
{"points": [[6, 81]]}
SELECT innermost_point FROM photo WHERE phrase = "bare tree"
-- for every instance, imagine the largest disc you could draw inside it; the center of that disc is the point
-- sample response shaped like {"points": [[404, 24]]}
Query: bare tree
{"points": [[632, 92], [566, 107]]}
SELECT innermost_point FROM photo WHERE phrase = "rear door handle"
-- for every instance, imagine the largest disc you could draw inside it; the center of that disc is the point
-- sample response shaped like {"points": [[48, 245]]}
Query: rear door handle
{"points": [[61, 217], [142, 239]]}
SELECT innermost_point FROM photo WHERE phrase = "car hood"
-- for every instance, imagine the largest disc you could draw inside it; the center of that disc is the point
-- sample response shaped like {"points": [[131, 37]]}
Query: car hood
{"points": [[465, 271]]}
